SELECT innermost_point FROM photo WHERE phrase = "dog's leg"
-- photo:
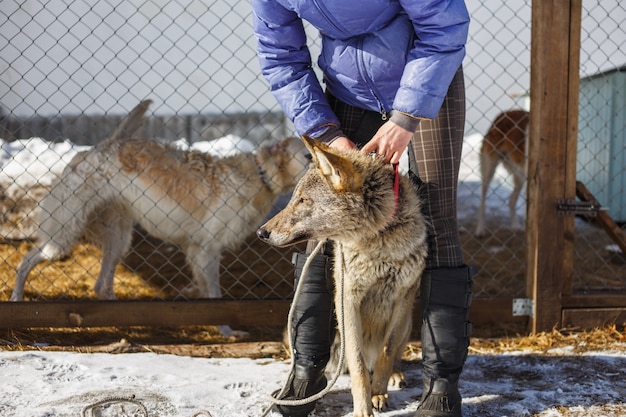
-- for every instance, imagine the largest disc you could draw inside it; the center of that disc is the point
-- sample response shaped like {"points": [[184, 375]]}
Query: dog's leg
{"points": [[518, 183], [56, 238], [33, 257], [64, 212], [209, 280], [488, 165], [113, 229], [205, 266], [359, 372]]}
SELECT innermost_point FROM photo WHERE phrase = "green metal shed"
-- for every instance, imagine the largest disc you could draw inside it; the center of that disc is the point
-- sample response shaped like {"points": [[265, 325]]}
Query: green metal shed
{"points": [[601, 163]]}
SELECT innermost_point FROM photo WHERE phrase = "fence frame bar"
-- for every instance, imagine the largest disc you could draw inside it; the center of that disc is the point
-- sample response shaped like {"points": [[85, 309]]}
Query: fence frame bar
{"points": [[236, 313], [555, 63]]}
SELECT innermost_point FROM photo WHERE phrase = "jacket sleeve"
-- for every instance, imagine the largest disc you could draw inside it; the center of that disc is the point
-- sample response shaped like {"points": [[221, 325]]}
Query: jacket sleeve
{"points": [[438, 51], [286, 64]]}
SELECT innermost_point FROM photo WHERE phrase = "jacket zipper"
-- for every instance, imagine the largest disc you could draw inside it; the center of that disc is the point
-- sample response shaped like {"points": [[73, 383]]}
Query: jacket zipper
{"points": [[362, 72], [328, 17]]}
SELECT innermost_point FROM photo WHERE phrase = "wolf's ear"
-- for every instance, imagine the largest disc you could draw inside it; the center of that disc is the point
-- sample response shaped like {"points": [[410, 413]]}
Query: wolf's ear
{"points": [[338, 170]]}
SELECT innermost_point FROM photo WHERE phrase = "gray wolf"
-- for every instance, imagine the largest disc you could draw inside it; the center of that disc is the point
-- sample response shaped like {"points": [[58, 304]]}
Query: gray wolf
{"points": [[505, 142], [379, 238], [203, 204]]}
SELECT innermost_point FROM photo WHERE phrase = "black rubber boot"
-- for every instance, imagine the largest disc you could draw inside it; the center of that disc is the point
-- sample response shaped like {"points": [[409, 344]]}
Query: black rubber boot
{"points": [[313, 332], [446, 295]]}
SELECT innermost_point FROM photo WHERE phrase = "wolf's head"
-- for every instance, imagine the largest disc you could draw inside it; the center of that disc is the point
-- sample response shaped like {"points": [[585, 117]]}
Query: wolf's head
{"points": [[343, 196]]}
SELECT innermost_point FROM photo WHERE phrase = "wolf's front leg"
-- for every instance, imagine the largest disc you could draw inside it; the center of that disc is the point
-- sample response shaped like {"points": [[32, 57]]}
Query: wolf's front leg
{"points": [[380, 379], [395, 339], [359, 373]]}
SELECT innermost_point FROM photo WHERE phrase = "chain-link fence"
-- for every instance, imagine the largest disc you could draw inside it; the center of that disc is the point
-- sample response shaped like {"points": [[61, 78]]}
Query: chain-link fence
{"points": [[497, 69], [72, 70]]}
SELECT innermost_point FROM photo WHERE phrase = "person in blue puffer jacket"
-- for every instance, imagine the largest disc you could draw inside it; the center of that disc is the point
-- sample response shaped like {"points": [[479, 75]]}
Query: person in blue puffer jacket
{"points": [[393, 81]]}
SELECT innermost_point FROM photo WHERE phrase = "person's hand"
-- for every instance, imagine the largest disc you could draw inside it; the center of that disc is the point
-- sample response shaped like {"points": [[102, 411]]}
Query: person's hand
{"points": [[342, 143], [389, 142]]}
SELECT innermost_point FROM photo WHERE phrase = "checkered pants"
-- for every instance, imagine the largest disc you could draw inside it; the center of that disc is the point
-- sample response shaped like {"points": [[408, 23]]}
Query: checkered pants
{"points": [[435, 157]]}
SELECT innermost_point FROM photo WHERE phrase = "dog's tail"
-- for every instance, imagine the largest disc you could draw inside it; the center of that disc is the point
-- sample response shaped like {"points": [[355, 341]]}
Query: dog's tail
{"points": [[65, 210], [132, 122]]}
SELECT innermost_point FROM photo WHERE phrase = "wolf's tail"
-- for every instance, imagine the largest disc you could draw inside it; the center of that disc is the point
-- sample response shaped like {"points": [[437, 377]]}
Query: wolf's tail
{"points": [[66, 209]]}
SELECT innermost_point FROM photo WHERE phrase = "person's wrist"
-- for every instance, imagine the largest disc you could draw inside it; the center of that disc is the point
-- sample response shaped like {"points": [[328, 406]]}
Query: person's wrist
{"points": [[327, 133], [342, 143], [405, 120]]}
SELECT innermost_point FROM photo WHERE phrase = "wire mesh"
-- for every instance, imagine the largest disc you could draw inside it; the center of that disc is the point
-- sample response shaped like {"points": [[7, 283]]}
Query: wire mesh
{"points": [[72, 70]]}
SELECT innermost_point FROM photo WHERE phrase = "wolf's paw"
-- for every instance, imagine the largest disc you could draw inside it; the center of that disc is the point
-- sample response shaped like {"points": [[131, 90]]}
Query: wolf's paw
{"points": [[379, 401], [397, 379]]}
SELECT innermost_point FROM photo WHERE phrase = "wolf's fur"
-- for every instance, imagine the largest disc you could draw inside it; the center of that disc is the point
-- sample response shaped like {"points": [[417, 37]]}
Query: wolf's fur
{"points": [[505, 143], [349, 198], [199, 202]]}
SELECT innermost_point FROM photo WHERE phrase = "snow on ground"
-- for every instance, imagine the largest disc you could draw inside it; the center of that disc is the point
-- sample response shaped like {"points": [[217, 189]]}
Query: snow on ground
{"points": [[38, 384], [60, 384], [26, 162]]}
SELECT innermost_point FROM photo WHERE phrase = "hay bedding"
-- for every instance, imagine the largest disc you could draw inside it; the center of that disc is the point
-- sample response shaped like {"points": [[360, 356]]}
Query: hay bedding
{"points": [[151, 270], [154, 269]]}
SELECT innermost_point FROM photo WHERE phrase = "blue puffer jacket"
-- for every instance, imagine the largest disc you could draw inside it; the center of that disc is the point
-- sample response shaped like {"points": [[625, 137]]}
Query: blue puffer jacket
{"points": [[381, 55]]}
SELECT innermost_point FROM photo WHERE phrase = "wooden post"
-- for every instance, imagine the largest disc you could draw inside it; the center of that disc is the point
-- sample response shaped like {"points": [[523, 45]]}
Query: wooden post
{"points": [[554, 70]]}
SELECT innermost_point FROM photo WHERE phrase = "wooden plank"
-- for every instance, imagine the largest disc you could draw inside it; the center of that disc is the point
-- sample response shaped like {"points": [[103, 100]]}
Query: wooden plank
{"points": [[552, 156], [605, 300], [573, 88], [494, 311], [589, 318], [143, 313], [236, 313], [603, 217]]}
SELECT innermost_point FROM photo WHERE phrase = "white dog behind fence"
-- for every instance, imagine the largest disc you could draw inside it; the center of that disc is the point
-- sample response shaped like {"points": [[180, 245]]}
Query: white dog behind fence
{"points": [[203, 204]]}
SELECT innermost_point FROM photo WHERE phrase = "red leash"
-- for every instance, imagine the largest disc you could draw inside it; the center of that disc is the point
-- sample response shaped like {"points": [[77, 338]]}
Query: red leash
{"points": [[396, 186]]}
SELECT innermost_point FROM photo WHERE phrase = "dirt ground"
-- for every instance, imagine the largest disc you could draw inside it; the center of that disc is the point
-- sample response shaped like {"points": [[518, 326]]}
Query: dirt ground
{"points": [[500, 258]]}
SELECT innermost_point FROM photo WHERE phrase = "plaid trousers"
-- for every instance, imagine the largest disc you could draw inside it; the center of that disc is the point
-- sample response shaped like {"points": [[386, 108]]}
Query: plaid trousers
{"points": [[435, 156]]}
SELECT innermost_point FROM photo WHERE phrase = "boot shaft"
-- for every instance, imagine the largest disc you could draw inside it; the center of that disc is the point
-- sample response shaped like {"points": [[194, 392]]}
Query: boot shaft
{"points": [[446, 295], [313, 321]]}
